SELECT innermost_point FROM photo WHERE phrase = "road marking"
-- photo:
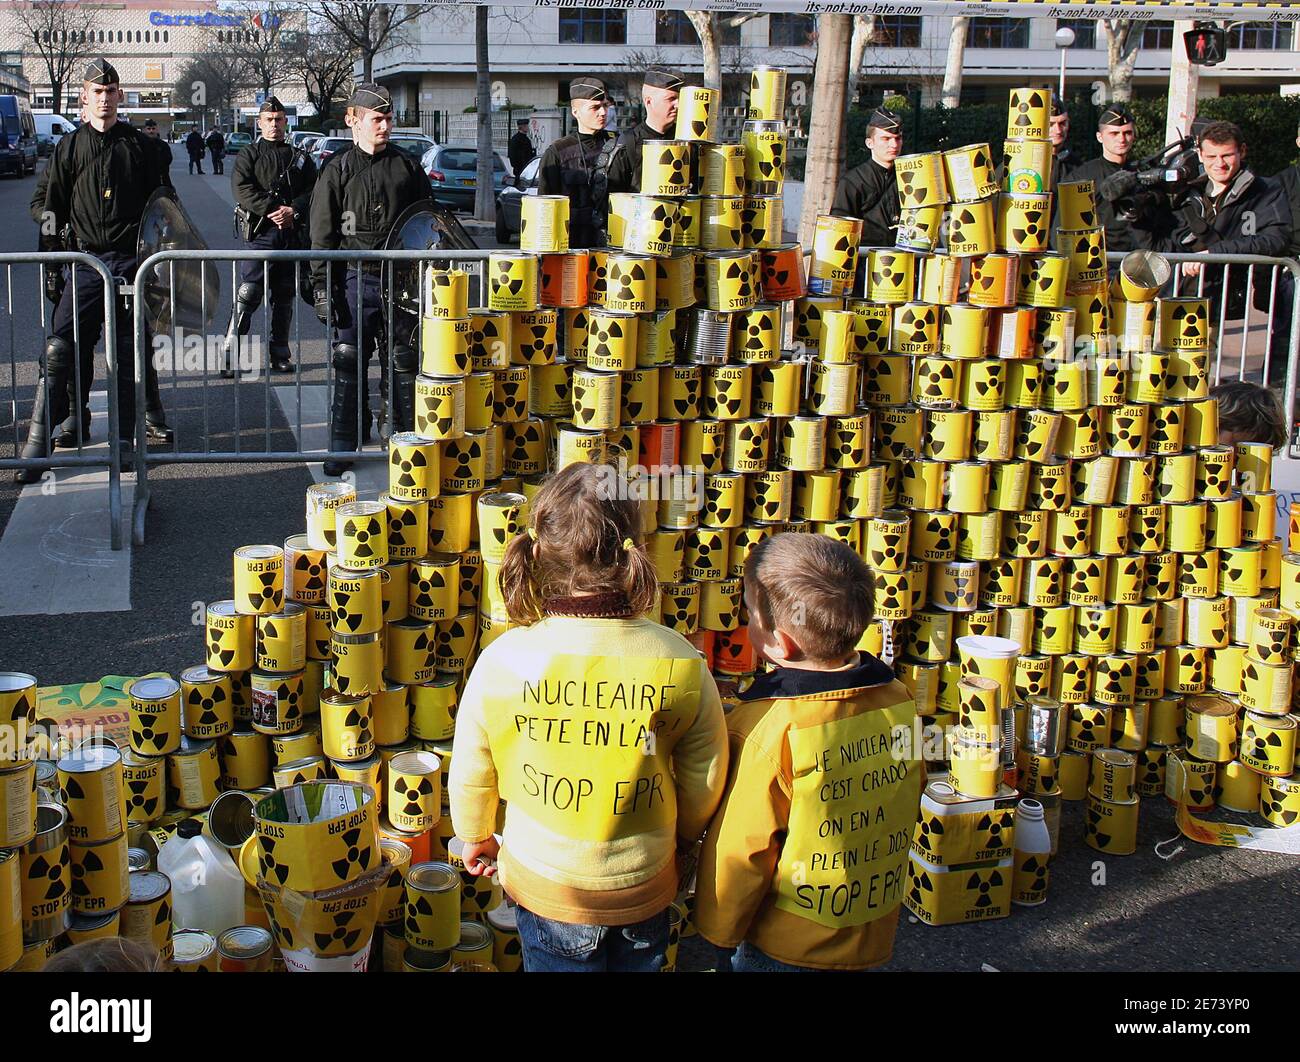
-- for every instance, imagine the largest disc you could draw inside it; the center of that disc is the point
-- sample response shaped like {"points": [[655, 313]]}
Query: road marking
{"points": [[56, 550], [371, 476]]}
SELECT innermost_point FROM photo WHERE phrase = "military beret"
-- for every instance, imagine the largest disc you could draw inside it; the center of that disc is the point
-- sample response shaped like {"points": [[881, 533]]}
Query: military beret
{"points": [[271, 105], [1116, 114], [151, 123], [883, 119], [372, 98], [662, 77], [587, 88], [101, 72]]}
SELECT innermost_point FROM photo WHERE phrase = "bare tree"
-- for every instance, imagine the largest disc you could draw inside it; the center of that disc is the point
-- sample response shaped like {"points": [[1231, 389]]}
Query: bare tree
{"points": [[709, 31], [484, 201], [370, 28], [58, 33], [210, 85], [826, 126], [952, 70], [1123, 39], [322, 60], [261, 46], [864, 35]]}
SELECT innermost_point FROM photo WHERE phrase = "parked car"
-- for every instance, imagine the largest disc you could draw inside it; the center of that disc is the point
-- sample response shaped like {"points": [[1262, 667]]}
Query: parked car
{"points": [[236, 142], [298, 136], [413, 144], [509, 198], [55, 126], [453, 172], [17, 136], [327, 146]]}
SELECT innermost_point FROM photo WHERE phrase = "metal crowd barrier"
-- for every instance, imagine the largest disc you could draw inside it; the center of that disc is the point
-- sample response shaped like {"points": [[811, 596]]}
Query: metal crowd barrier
{"points": [[163, 266], [1277, 282], [81, 457]]}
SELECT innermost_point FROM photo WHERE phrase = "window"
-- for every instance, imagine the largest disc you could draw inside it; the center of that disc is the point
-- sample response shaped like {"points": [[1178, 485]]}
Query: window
{"points": [[1158, 33], [586, 25], [1273, 36], [167, 36], [898, 31], [791, 31], [1085, 31], [673, 27], [997, 33]]}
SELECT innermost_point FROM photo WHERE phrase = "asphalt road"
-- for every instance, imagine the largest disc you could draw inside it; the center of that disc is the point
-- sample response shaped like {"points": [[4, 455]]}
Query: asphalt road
{"points": [[1203, 909]]}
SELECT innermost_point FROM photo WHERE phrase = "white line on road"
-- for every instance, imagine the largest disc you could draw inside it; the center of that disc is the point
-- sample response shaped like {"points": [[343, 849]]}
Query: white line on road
{"points": [[56, 550]]}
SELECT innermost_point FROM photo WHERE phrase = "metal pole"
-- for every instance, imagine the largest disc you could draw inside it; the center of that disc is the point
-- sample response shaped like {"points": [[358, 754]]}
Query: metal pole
{"points": [[1060, 92]]}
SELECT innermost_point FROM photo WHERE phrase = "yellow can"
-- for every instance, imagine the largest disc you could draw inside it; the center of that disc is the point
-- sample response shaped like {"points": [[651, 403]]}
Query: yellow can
{"points": [[490, 339], [722, 166], [1028, 113], [921, 180], [277, 700], [444, 346], [512, 281], [834, 261], [543, 224], [1024, 222], [764, 144], [1184, 324], [969, 173], [1027, 165], [1111, 826], [1042, 283]]}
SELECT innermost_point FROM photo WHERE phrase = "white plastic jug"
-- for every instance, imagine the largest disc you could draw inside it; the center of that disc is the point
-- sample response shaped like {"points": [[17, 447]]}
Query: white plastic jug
{"points": [[207, 887]]}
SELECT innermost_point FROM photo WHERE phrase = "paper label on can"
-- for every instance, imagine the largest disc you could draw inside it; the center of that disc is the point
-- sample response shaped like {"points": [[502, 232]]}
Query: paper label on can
{"points": [[852, 813], [303, 960], [583, 744], [18, 798]]}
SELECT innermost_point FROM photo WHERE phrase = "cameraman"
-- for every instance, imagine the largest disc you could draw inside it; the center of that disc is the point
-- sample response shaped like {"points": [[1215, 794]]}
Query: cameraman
{"points": [[1134, 220], [1231, 210]]}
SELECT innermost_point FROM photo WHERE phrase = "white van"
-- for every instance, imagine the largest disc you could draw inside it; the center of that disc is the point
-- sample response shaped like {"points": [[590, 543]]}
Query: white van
{"points": [[54, 125]]}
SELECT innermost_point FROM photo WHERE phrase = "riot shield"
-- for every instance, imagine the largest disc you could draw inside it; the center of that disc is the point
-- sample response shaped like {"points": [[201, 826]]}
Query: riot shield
{"points": [[177, 294], [423, 226]]}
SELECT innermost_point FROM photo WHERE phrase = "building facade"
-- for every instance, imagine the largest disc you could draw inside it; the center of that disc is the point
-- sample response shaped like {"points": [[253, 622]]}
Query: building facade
{"points": [[534, 53], [150, 43]]}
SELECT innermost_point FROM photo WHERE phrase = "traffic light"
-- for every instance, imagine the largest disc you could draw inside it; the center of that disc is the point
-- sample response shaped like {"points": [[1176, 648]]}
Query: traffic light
{"points": [[1207, 44]]}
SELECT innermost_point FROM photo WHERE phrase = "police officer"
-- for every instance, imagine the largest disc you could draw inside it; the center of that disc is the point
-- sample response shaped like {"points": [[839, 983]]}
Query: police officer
{"points": [[520, 149], [578, 165], [164, 152], [98, 182], [217, 149], [870, 191], [1131, 223], [659, 91], [1063, 160], [272, 184], [359, 193]]}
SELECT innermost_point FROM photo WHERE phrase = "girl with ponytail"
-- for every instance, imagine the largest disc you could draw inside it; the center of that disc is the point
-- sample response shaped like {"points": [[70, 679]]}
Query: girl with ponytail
{"points": [[600, 729]]}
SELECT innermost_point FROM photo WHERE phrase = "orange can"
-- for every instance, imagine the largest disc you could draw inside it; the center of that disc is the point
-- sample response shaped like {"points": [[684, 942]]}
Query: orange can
{"points": [[660, 444], [1293, 529], [783, 277], [565, 279], [994, 280]]}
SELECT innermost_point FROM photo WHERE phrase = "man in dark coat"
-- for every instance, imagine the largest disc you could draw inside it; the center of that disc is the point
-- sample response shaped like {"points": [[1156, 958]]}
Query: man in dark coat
{"points": [[520, 149], [217, 149], [194, 148], [659, 91], [870, 191], [164, 152], [577, 165], [1132, 222]]}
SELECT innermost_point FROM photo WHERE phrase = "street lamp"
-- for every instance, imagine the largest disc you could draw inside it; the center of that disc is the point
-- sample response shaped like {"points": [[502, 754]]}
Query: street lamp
{"points": [[1064, 40]]}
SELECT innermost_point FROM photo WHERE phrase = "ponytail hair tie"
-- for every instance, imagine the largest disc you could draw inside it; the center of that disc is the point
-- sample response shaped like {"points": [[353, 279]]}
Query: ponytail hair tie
{"points": [[532, 533], [628, 545]]}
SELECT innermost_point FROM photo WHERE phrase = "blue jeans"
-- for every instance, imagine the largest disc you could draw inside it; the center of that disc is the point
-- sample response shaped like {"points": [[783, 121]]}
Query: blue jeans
{"points": [[563, 947], [748, 959]]}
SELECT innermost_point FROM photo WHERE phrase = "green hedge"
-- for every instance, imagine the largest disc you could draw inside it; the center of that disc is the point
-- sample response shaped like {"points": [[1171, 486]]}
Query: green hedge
{"points": [[1268, 122]]}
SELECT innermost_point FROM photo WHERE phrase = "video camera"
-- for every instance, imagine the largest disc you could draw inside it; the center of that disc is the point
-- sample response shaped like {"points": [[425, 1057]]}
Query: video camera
{"points": [[1158, 182]]}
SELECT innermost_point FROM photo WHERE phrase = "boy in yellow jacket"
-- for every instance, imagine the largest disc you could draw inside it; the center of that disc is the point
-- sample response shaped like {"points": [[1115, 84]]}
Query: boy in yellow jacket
{"points": [[805, 862]]}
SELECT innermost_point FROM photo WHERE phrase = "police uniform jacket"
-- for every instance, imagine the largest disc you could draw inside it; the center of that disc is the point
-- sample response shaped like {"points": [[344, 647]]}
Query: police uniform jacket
{"points": [[259, 169], [578, 166], [372, 189], [625, 166], [870, 192]]}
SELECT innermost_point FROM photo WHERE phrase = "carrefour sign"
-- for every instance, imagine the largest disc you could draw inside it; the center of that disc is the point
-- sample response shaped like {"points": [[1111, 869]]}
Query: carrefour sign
{"points": [[212, 18]]}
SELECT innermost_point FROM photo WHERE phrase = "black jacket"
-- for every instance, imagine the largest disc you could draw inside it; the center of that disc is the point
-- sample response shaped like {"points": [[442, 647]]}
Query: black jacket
{"points": [[216, 142], [578, 166], [99, 183], [259, 170], [870, 192], [372, 189], [521, 152], [194, 144], [1251, 216], [164, 154], [1289, 179], [625, 165]]}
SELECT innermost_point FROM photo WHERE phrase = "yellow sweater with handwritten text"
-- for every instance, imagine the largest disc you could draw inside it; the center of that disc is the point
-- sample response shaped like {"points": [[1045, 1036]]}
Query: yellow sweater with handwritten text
{"points": [[605, 739], [807, 856]]}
